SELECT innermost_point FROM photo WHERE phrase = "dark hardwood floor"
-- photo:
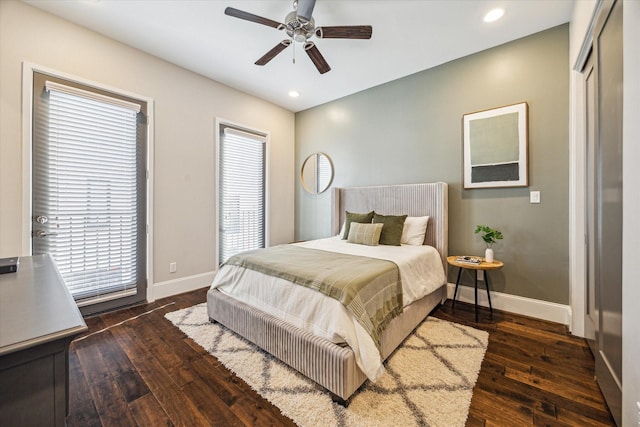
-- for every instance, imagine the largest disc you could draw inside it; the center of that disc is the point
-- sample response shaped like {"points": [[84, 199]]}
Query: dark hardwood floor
{"points": [[145, 372], [534, 373]]}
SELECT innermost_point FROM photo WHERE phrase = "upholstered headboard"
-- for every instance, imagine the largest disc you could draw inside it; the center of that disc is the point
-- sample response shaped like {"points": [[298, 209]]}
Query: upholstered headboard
{"points": [[410, 199]]}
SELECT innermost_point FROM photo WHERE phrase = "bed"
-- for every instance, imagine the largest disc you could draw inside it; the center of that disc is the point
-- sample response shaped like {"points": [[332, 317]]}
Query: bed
{"points": [[337, 361]]}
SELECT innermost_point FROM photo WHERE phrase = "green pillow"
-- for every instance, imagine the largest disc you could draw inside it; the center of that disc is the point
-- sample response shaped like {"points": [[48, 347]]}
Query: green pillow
{"points": [[365, 234], [392, 229], [355, 217]]}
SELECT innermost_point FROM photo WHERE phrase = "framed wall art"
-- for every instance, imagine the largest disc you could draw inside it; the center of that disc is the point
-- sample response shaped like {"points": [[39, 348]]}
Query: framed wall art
{"points": [[495, 145]]}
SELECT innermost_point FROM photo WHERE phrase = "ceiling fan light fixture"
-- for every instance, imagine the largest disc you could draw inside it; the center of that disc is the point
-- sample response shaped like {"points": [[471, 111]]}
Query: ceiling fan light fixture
{"points": [[299, 36], [494, 15]]}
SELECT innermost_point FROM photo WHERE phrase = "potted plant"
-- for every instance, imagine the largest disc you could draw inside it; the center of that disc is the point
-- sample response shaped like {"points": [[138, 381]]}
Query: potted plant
{"points": [[490, 236]]}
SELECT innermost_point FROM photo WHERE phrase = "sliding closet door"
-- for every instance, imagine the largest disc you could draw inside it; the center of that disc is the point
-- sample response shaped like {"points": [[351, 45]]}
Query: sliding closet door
{"points": [[604, 291]]}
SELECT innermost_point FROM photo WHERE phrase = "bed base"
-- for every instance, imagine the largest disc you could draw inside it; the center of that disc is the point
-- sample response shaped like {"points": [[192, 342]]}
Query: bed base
{"points": [[330, 365]]}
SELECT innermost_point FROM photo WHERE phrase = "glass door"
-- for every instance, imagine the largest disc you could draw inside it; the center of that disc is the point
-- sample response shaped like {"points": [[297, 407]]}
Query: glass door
{"points": [[89, 191]]}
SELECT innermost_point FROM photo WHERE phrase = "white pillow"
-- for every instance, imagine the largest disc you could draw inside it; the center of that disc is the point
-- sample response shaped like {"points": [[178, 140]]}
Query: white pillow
{"points": [[414, 230]]}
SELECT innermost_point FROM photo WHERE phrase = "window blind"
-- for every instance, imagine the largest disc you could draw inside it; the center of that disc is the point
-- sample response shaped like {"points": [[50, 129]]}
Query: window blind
{"points": [[241, 191], [89, 184]]}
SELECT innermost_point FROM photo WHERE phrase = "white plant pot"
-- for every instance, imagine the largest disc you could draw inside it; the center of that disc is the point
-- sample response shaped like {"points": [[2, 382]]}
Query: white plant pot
{"points": [[488, 255]]}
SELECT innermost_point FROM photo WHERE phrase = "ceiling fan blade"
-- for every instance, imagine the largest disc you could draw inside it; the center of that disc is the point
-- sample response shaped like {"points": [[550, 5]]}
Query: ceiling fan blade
{"points": [[236, 13], [316, 57], [345, 32], [273, 52], [305, 9]]}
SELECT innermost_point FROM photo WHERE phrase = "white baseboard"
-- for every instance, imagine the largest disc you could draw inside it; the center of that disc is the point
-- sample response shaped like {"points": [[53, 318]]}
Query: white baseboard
{"points": [[179, 286], [544, 310]]}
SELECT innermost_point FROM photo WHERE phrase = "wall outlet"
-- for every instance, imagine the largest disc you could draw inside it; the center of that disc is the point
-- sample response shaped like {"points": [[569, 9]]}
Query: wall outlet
{"points": [[173, 267], [480, 274], [638, 415]]}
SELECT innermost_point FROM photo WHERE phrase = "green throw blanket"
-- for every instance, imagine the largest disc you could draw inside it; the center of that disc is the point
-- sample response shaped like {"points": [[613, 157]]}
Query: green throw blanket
{"points": [[369, 288]]}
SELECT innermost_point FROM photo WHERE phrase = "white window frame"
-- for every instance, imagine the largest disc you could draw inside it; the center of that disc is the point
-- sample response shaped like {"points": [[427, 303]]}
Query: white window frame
{"points": [[27, 139], [216, 156]]}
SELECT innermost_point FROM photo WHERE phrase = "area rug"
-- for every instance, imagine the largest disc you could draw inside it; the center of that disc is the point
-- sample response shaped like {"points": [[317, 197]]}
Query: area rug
{"points": [[428, 381]]}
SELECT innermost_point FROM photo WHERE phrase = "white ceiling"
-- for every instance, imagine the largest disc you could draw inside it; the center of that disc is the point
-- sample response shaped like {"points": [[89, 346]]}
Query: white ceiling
{"points": [[408, 36]]}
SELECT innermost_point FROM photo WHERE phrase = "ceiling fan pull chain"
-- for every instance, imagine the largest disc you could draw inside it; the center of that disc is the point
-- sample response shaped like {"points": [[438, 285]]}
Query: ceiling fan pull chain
{"points": [[294, 52]]}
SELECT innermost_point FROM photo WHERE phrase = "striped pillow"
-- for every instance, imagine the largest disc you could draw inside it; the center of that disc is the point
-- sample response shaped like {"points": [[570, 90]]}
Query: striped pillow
{"points": [[365, 234]]}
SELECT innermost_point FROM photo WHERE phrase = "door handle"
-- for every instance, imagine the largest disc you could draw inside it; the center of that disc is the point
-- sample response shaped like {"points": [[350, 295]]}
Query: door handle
{"points": [[42, 233]]}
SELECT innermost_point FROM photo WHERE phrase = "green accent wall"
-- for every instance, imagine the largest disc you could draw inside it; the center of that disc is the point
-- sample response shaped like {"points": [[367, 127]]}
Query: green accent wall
{"points": [[410, 130]]}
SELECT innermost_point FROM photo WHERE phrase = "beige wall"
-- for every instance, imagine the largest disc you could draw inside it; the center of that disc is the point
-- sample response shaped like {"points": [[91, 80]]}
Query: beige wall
{"points": [[409, 130], [186, 106]]}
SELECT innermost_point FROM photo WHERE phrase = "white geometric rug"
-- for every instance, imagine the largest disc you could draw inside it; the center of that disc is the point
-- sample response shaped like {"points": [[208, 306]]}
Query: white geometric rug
{"points": [[428, 381]]}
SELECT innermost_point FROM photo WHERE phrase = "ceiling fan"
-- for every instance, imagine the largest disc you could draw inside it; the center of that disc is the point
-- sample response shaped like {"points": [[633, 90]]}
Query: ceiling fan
{"points": [[300, 27]]}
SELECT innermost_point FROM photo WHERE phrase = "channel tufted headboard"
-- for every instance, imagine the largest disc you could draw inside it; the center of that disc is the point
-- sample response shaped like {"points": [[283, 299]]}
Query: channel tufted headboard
{"points": [[411, 199]]}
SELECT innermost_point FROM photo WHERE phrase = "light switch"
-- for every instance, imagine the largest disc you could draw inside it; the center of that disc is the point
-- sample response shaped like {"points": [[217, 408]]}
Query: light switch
{"points": [[534, 197]]}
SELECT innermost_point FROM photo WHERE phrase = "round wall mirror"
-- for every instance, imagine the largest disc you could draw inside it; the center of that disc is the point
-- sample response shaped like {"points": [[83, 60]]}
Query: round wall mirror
{"points": [[316, 173]]}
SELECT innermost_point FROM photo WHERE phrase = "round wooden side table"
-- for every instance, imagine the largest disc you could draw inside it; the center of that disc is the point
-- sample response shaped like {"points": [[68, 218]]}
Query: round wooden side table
{"points": [[484, 266]]}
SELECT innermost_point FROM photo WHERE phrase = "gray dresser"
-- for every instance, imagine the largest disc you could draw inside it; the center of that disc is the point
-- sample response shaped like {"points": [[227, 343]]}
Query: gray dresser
{"points": [[38, 320]]}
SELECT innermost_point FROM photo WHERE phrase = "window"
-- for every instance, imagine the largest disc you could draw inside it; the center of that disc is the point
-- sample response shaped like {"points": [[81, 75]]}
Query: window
{"points": [[89, 189], [241, 191]]}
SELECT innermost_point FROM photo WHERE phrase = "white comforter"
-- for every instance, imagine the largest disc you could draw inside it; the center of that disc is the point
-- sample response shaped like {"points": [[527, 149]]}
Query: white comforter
{"points": [[421, 272]]}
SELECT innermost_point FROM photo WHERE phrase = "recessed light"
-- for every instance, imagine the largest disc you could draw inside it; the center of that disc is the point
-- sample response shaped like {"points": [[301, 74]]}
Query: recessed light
{"points": [[294, 93], [494, 15]]}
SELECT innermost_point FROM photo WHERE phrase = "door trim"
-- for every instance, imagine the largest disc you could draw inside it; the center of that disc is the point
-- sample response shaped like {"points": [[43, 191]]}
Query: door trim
{"points": [[28, 69]]}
